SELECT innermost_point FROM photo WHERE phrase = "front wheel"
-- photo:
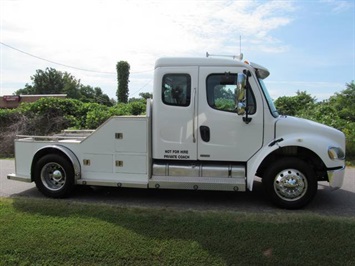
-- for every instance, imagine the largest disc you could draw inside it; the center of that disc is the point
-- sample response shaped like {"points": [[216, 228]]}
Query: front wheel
{"points": [[290, 183], [54, 176]]}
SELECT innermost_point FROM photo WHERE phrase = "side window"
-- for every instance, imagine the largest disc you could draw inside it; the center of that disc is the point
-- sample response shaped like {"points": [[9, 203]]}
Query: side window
{"points": [[176, 89], [224, 94]]}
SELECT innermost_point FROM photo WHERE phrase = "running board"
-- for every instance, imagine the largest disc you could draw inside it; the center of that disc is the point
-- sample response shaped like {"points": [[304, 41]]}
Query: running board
{"points": [[111, 183], [198, 183]]}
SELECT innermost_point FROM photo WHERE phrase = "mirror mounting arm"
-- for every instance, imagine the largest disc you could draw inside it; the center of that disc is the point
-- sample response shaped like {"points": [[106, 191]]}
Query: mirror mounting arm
{"points": [[247, 119]]}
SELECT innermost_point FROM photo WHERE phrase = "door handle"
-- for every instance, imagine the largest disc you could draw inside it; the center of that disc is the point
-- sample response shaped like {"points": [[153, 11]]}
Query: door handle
{"points": [[205, 133]]}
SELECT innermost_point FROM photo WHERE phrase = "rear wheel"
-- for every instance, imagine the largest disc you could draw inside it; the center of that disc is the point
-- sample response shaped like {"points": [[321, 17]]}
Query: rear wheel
{"points": [[54, 176], [290, 183]]}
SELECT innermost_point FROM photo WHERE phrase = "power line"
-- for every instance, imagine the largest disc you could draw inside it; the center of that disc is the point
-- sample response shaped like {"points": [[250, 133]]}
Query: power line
{"points": [[53, 62], [142, 87], [64, 65]]}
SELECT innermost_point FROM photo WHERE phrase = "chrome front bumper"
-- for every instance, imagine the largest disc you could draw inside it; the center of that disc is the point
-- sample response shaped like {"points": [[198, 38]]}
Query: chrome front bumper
{"points": [[336, 178]]}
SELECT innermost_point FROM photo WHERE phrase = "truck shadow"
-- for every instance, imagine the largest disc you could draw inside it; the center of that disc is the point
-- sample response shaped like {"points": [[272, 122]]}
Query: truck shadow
{"points": [[326, 202]]}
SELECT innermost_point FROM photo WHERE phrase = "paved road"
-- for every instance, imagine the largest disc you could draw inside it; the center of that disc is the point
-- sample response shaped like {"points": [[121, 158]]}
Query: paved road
{"points": [[340, 202]]}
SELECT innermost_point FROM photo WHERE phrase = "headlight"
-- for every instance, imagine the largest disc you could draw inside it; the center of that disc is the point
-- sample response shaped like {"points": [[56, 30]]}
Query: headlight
{"points": [[336, 153]]}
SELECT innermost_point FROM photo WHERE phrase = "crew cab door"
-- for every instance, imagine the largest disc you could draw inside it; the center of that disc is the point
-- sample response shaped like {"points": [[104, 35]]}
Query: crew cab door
{"points": [[174, 113], [222, 133]]}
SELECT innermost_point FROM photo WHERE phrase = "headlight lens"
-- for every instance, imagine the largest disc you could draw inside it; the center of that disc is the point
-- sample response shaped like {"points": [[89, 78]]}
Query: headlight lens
{"points": [[336, 153]]}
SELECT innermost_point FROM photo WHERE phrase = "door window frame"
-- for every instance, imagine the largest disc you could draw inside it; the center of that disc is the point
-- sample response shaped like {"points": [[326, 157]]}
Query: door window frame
{"points": [[212, 101], [180, 92]]}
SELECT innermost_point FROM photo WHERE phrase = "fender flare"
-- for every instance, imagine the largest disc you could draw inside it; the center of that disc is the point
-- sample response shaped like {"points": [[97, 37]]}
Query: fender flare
{"points": [[318, 147], [59, 149], [254, 163]]}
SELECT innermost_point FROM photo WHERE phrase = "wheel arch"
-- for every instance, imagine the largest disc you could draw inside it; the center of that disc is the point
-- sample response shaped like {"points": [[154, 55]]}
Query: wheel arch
{"points": [[305, 154], [59, 150]]}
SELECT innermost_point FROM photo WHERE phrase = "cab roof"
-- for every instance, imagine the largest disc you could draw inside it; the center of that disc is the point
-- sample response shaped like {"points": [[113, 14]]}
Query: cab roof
{"points": [[208, 61], [196, 61]]}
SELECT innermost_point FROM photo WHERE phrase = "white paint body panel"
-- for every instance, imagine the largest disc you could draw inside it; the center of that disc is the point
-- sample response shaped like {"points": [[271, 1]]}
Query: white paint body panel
{"points": [[122, 150], [173, 126], [102, 149], [228, 131]]}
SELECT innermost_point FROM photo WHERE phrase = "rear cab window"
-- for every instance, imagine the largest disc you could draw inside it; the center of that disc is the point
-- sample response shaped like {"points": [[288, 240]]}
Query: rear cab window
{"points": [[176, 89]]}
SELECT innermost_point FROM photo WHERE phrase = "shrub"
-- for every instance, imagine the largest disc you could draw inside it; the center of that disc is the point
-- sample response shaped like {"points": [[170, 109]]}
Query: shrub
{"points": [[96, 117], [138, 107]]}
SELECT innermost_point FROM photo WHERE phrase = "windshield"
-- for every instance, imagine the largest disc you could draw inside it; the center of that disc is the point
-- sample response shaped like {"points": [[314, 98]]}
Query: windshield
{"points": [[270, 102]]}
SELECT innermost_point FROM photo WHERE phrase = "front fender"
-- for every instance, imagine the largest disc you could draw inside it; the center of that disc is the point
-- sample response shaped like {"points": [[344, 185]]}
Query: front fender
{"points": [[318, 145], [254, 163], [311, 135]]}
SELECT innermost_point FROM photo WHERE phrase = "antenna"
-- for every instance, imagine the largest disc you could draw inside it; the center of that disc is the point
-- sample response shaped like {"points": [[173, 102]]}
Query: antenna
{"points": [[240, 44]]}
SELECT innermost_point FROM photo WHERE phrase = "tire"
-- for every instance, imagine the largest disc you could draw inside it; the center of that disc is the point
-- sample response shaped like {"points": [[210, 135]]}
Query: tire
{"points": [[290, 183], [54, 176]]}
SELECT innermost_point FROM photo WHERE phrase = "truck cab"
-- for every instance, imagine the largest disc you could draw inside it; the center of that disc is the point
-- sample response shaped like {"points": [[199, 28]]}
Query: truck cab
{"points": [[212, 125]]}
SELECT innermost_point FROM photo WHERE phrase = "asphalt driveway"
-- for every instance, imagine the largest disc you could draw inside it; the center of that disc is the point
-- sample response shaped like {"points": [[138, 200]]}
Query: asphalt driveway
{"points": [[340, 202]]}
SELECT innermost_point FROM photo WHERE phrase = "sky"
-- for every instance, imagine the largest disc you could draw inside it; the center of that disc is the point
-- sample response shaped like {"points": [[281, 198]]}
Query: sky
{"points": [[307, 45]]}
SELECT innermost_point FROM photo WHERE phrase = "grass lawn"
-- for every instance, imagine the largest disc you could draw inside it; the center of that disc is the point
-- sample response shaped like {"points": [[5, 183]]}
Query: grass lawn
{"points": [[59, 232], [350, 162]]}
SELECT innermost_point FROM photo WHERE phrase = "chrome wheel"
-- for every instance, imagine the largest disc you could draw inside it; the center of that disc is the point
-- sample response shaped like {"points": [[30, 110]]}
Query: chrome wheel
{"points": [[53, 176], [290, 185], [290, 182]]}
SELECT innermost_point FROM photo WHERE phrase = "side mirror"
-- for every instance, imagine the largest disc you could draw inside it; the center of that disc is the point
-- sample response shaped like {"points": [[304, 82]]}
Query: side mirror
{"points": [[241, 80], [241, 93]]}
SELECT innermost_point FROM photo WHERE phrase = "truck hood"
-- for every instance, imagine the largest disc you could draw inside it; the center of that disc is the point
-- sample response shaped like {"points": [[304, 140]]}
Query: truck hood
{"points": [[301, 128]]}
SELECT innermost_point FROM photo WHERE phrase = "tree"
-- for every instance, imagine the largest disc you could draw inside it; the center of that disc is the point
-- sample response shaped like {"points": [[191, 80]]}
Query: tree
{"points": [[122, 79], [87, 94], [291, 105], [344, 102], [338, 111], [49, 81], [52, 81], [71, 86], [102, 98], [146, 95], [28, 89], [143, 97]]}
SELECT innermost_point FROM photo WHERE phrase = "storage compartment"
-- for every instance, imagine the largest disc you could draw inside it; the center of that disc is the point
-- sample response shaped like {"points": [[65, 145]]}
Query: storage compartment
{"points": [[98, 163], [131, 136], [131, 164]]}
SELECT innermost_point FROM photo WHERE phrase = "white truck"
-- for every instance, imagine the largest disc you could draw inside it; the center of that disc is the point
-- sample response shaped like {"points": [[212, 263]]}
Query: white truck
{"points": [[212, 125]]}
